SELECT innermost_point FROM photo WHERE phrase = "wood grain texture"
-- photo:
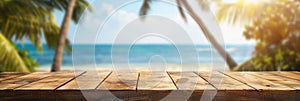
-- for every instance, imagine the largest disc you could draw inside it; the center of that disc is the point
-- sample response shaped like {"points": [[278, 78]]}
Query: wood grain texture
{"points": [[155, 81], [88, 81], [291, 75], [189, 81], [10, 75], [235, 86], [120, 81], [22, 80], [52, 82], [223, 82], [256, 82], [278, 79]]}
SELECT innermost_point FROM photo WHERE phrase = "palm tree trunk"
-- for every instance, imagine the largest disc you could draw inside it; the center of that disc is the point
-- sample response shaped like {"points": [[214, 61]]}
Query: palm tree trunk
{"points": [[62, 38], [230, 62]]}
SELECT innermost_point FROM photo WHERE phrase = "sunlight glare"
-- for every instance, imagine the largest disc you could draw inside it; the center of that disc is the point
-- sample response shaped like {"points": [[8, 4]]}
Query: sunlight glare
{"points": [[244, 1], [253, 1]]}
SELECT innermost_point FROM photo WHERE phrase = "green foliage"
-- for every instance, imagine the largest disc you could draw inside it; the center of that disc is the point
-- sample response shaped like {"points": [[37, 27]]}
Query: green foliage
{"points": [[62, 5], [10, 60], [33, 20], [24, 19], [277, 33], [29, 62], [14, 60]]}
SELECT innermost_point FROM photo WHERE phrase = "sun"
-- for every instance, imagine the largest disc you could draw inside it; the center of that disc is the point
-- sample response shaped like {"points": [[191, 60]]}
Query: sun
{"points": [[244, 1]]}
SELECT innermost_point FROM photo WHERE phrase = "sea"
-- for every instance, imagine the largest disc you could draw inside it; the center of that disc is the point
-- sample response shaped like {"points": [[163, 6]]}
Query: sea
{"points": [[143, 54]]}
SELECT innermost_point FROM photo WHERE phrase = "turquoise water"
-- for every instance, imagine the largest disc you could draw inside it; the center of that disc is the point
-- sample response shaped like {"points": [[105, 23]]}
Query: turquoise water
{"points": [[142, 54]]}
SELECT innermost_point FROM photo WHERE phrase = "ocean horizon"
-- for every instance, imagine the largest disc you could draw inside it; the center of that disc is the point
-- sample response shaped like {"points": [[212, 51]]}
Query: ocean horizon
{"points": [[140, 54]]}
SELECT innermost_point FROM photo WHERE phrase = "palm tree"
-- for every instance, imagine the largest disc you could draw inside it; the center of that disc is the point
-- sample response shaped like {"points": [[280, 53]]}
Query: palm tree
{"points": [[21, 19], [62, 38], [275, 37], [73, 9], [203, 3]]}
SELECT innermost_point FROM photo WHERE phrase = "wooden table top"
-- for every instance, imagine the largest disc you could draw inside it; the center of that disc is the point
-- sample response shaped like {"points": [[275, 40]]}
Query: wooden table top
{"points": [[248, 84]]}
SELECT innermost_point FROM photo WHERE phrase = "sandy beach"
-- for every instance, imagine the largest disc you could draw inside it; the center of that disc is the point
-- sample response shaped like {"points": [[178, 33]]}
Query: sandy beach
{"points": [[132, 69]]}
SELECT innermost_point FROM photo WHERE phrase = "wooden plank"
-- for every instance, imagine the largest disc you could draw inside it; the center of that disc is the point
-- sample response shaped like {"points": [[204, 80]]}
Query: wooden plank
{"points": [[6, 76], [189, 81], [120, 81], [89, 80], [223, 82], [291, 75], [22, 80], [298, 73], [52, 82], [278, 79], [256, 82], [155, 81]]}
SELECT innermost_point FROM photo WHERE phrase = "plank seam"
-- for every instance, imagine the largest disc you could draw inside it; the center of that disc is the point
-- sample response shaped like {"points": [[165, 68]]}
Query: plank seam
{"points": [[206, 81], [137, 82], [104, 79], [69, 80], [239, 81], [173, 81]]}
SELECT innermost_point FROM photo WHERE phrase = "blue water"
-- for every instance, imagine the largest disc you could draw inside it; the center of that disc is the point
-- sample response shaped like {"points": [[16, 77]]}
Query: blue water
{"points": [[142, 54]]}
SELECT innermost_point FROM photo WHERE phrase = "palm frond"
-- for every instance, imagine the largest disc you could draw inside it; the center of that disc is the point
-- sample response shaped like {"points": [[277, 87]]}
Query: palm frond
{"points": [[61, 5], [241, 12], [204, 4], [10, 60], [180, 9], [145, 8], [19, 21]]}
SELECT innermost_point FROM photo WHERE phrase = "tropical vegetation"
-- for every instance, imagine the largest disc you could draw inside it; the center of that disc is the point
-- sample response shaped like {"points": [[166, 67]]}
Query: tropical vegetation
{"points": [[273, 24], [32, 20], [22, 19], [275, 27]]}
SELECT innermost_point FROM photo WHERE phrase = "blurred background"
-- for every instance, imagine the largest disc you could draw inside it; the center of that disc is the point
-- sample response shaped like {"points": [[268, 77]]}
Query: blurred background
{"points": [[257, 35]]}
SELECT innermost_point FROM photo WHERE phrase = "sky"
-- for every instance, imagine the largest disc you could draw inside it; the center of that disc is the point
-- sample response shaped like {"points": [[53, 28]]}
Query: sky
{"points": [[110, 18]]}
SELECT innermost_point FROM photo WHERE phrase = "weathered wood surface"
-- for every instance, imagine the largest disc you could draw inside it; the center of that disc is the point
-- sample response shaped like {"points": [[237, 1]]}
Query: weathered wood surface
{"points": [[99, 85], [155, 81], [89, 80], [279, 80], [120, 81], [292, 75], [251, 79], [50, 83], [189, 80], [22, 80], [6, 76], [223, 82]]}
